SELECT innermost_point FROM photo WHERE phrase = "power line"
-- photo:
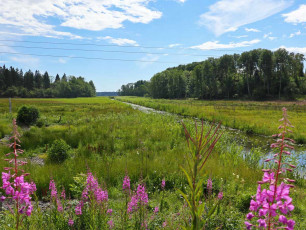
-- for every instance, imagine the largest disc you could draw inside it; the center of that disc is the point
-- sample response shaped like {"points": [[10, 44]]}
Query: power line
{"points": [[90, 58], [113, 45], [108, 51]]}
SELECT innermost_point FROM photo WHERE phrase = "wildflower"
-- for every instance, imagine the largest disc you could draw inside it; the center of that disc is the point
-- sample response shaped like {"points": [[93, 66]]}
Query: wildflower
{"points": [[110, 224], [248, 225], [209, 186], [163, 184], [273, 202], [2, 198], [250, 216], [70, 222], [164, 224], [156, 209], [78, 209], [109, 211], [220, 195], [126, 184], [52, 187], [63, 194]]}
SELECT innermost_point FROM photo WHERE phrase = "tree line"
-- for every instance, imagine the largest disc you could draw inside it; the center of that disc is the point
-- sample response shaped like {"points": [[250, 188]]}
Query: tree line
{"points": [[257, 74], [15, 83]]}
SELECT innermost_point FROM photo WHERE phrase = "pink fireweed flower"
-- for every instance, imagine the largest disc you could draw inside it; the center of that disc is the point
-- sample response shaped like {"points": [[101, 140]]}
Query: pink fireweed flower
{"points": [[163, 184], [156, 209], [63, 194], [109, 211], [220, 195], [78, 209], [164, 224], [126, 184], [110, 224], [52, 187], [272, 203], [70, 222], [59, 206]]}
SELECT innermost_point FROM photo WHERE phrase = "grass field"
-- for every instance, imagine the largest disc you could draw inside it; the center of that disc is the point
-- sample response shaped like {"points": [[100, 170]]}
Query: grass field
{"points": [[110, 138], [248, 116]]}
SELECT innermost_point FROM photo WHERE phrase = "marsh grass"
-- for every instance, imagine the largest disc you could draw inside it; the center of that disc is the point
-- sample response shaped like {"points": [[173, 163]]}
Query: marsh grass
{"points": [[110, 138]]}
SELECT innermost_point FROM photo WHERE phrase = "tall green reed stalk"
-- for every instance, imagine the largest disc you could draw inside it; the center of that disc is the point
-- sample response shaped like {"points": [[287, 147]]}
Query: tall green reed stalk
{"points": [[200, 148]]}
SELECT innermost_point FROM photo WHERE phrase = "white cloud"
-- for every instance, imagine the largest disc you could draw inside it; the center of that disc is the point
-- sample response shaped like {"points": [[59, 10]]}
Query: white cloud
{"points": [[33, 17], [148, 59], [295, 34], [296, 16], [25, 59], [182, 1], [174, 45], [301, 50], [62, 60], [227, 15], [217, 45], [241, 36], [251, 30], [119, 41], [272, 38], [268, 36]]}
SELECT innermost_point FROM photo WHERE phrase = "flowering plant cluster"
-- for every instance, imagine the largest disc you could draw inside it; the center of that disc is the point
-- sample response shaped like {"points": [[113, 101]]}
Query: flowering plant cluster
{"points": [[139, 199], [14, 185], [271, 205]]}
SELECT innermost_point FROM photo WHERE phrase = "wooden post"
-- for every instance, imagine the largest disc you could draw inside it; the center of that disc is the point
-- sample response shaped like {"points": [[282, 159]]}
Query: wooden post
{"points": [[10, 103]]}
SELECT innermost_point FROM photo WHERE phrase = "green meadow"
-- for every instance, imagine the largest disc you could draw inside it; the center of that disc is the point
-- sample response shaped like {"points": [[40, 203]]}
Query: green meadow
{"points": [[111, 139], [250, 116]]}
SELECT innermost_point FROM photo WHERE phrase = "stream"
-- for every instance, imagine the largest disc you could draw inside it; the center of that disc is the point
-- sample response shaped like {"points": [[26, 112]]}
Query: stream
{"points": [[246, 141]]}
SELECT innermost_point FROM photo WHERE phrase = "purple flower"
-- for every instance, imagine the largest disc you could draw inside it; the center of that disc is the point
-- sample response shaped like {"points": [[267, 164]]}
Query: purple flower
{"points": [[110, 224], [249, 216], [52, 187], [290, 224], [109, 211], [126, 184], [262, 223], [163, 184], [248, 225], [220, 195], [282, 219], [70, 222], [2, 198], [164, 224], [156, 209], [78, 209]]}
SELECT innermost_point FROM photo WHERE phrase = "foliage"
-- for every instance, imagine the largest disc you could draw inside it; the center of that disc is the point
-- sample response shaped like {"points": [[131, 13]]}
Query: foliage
{"points": [[200, 148], [273, 204], [111, 139], [27, 115], [59, 151], [258, 74], [13, 83]]}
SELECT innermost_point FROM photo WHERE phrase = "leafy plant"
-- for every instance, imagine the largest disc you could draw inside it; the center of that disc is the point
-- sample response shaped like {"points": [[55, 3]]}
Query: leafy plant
{"points": [[201, 147], [27, 115], [59, 151]]}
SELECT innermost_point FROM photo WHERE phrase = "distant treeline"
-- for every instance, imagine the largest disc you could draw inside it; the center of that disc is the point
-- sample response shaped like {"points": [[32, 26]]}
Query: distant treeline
{"points": [[256, 74], [15, 83]]}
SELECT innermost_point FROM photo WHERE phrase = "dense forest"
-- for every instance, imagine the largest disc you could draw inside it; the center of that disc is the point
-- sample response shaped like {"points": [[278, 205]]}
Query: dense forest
{"points": [[256, 74], [15, 83], [139, 88]]}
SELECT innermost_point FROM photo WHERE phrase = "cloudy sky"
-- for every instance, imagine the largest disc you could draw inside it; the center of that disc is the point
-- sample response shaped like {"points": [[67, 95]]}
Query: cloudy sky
{"points": [[114, 42]]}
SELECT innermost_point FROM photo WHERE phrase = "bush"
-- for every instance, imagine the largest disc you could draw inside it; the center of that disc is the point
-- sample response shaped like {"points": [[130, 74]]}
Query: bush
{"points": [[58, 152], [27, 115]]}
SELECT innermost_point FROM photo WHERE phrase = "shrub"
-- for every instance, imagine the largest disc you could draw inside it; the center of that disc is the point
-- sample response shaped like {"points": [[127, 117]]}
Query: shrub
{"points": [[27, 115], [58, 152]]}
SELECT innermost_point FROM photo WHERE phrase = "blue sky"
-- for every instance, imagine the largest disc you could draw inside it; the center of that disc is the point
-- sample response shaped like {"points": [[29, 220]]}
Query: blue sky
{"points": [[142, 37]]}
